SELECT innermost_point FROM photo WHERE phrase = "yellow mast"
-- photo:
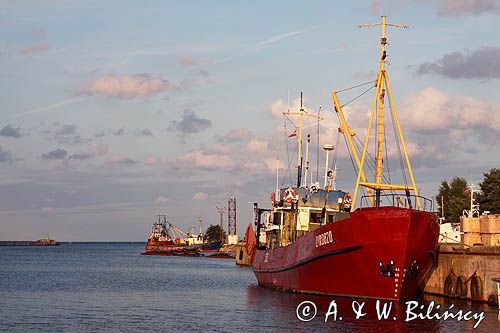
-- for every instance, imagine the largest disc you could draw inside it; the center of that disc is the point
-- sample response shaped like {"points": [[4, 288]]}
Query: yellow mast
{"points": [[382, 84]]}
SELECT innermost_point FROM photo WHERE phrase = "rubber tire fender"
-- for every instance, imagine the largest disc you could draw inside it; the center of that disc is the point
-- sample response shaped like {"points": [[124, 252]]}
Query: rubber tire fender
{"points": [[461, 287], [449, 285], [476, 287]]}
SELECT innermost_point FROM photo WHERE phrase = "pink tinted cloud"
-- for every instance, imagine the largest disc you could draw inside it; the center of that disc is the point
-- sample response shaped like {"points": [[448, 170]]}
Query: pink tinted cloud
{"points": [[200, 196], [90, 152], [200, 159], [161, 199], [189, 61], [120, 159], [129, 86], [33, 49]]}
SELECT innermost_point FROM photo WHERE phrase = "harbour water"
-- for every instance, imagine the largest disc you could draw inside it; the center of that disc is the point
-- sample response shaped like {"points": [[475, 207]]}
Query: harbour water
{"points": [[109, 287]]}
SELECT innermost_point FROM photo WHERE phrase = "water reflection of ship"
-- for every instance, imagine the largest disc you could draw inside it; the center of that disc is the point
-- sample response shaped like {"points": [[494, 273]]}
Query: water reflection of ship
{"points": [[313, 240], [268, 305]]}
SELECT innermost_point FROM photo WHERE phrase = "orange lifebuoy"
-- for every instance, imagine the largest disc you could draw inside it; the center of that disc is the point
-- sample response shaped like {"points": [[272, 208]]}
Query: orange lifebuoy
{"points": [[347, 199], [290, 195], [273, 198]]}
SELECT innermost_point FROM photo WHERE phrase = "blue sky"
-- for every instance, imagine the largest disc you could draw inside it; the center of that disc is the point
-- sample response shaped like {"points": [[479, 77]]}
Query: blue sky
{"points": [[113, 110]]}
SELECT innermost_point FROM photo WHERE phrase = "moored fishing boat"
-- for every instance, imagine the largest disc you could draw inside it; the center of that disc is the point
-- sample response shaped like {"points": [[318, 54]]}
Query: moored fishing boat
{"points": [[167, 240], [316, 240], [160, 240]]}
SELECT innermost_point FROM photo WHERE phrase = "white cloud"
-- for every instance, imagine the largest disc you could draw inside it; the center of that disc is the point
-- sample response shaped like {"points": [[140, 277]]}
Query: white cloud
{"points": [[33, 49], [200, 196], [120, 159], [463, 7], [434, 123], [48, 210], [83, 154], [237, 135], [190, 61], [129, 86], [200, 159], [152, 161], [432, 111], [258, 146], [161, 199]]}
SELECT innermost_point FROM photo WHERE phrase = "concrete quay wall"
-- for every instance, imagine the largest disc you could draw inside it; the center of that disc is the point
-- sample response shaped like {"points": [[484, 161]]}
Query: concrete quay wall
{"points": [[466, 273]]}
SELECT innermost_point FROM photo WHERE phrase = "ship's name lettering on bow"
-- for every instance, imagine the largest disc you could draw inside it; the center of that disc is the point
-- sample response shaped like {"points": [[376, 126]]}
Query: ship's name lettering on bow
{"points": [[324, 238]]}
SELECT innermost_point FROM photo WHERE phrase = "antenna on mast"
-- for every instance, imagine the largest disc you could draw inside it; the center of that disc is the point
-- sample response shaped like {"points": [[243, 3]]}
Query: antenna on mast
{"points": [[299, 148], [221, 210], [288, 105], [298, 132], [277, 193]]}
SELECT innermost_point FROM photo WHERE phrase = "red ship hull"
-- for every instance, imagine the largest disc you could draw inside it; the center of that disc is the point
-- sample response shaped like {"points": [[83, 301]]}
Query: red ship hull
{"points": [[344, 258]]}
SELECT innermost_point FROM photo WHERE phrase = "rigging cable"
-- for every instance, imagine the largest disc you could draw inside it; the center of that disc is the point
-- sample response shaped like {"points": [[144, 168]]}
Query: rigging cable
{"points": [[355, 98], [398, 145], [335, 152], [370, 161], [287, 154], [289, 172], [387, 167], [356, 86]]}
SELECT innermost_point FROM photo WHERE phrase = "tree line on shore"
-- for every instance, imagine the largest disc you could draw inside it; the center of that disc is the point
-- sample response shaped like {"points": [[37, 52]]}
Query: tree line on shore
{"points": [[454, 196]]}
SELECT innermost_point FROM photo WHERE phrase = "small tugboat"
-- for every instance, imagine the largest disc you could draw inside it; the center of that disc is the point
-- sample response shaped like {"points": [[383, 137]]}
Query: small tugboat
{"points": [[46, 241], [316, 240]]}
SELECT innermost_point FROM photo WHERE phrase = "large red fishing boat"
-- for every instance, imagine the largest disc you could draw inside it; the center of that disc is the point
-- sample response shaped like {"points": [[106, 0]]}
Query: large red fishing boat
{"points": [[315, 240], [160, 238]]}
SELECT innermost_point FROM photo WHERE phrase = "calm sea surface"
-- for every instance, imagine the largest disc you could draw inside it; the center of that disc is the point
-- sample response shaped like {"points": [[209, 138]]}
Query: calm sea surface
{"points": [[110, 287]]}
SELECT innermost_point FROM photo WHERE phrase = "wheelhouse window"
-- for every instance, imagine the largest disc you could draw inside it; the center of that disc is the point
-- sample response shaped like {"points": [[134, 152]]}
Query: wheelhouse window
{"points": [[277, 218], [316, 217]]}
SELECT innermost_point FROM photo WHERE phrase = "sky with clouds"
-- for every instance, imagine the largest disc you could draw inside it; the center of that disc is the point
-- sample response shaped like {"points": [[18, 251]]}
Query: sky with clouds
{"points": [[112, 111]]}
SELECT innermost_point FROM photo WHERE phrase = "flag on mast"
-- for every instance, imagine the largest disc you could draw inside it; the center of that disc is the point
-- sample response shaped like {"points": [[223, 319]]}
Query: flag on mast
{"points": [[294, 133]]}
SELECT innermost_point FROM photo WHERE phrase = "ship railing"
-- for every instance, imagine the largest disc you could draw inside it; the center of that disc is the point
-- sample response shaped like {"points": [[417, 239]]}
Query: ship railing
{"points": [[400, 200]]}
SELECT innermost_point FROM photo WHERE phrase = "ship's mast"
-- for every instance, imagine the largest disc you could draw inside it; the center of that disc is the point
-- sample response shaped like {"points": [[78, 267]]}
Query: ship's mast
{"points": [[221, 210], [307, 159], [474, 208], [301, 113], [299, 149], [382, 86]]}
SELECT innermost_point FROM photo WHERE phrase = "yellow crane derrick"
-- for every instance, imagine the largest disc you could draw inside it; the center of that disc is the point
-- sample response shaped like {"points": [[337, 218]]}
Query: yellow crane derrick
{"points": [[349, 133], [383, 90]]}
